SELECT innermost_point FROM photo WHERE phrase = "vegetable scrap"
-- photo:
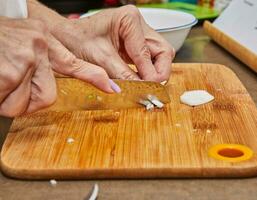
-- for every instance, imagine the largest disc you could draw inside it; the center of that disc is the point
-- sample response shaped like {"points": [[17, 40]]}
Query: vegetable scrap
{"points": [[90, 96], [147, 104], [53, 182], [154, 100], [151, 102], [70, 140], [94, 193], [164, 82], [178, 125], [208, 131], [196, 97]]}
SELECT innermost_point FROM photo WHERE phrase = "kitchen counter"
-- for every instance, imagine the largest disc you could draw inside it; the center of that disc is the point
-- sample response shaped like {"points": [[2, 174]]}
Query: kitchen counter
{"points": [[197, 48]]}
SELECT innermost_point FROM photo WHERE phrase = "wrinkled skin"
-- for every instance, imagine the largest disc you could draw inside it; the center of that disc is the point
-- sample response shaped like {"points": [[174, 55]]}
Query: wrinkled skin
{"points": [[26, 79], [113, 38]]}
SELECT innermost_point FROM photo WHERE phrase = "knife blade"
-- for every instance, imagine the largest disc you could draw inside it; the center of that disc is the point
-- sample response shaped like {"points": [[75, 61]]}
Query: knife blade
{"points": [[74, 95]]}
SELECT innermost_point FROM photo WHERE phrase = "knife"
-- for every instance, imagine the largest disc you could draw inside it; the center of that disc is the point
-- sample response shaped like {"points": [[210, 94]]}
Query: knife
{"points": [[74, 95]]}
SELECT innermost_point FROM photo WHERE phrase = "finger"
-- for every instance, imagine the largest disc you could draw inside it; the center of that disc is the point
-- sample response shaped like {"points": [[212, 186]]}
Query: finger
{"points": [[8, 79], [135, 45], [17, 101], [109, 59], [162, 64], [66, 63], [43, 87], [162, 53], [92, 74]]}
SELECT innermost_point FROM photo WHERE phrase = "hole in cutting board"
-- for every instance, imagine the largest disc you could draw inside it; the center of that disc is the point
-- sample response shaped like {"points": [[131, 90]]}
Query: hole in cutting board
{"points": [[230, 152]]}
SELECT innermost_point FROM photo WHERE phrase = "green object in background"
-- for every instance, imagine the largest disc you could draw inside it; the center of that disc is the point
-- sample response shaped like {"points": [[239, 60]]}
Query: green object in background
{"points": [[199, 12]]}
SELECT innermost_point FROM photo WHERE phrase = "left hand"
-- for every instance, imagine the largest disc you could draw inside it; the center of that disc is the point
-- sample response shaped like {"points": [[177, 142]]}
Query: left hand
{"points": [[112, 38]]}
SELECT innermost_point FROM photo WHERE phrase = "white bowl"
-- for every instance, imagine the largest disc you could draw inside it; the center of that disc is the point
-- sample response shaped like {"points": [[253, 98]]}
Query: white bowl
{"points": [[174, 26]]}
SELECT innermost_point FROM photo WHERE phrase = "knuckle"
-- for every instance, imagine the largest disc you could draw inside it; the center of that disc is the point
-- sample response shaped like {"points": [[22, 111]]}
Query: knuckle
{"points": [[12, 80], [28, 58], [39, 25], [131, 11], [171, 51], [168, 49], [39, 40], [145, 52], [127, 75], [99, 72]]}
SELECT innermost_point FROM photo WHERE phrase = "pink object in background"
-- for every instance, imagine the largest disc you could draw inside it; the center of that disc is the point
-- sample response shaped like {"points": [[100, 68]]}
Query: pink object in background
{"points": [[111, 2], [73, 16]]}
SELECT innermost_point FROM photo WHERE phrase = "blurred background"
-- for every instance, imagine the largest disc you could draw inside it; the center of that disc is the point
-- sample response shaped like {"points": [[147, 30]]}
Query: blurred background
{"points": [[81, 6]]}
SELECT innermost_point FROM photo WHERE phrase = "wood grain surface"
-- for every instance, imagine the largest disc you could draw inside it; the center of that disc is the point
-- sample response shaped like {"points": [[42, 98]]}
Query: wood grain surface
{"points": [[76, 95], [135, 143]]}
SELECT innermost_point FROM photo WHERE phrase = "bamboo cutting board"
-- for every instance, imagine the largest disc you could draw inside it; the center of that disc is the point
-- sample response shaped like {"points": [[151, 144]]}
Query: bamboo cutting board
{"points": [[178, 141]]}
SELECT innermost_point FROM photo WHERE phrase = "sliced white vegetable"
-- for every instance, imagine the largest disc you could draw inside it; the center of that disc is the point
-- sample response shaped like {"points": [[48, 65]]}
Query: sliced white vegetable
{"points": [[148, 105], [53, 182], [70, 140], [196, 97], [208, 131], [164, 82], [95, 192], [155, 101], [144, 102]]}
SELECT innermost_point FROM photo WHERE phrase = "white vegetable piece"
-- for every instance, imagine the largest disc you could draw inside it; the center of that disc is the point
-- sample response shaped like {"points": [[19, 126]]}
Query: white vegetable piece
{"points": [[154, 100], [70, 140], [53, 182], [178, 125], [208, 131], [164, 82], [196, 97], [95, 192], [148, 105]]}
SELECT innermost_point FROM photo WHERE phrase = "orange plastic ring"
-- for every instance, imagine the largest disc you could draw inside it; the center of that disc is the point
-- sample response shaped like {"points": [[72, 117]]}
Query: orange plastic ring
{"points": [[230, 152]]}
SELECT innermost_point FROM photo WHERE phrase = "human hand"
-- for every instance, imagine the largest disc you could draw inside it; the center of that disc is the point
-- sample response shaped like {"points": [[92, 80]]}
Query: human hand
{"points": [[27, 83], [113, 38]]}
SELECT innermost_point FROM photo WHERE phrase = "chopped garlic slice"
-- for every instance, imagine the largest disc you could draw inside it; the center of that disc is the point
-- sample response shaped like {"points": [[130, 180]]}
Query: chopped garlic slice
{"points": [[164, 82], [196, 97], [53, 182], [70, 140], [155, 101], [148, 105]]}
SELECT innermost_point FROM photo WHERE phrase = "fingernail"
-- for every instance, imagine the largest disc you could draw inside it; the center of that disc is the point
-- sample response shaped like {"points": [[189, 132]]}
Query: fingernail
{"points": [[114, 86]]}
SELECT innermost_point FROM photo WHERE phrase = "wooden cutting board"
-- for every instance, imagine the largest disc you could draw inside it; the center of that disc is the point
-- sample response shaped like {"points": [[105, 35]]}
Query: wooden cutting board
{"points": [[135, 143]]}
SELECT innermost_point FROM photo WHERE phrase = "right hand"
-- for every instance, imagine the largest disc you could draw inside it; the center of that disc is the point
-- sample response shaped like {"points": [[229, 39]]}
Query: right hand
{"points": [[27, 83]]}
